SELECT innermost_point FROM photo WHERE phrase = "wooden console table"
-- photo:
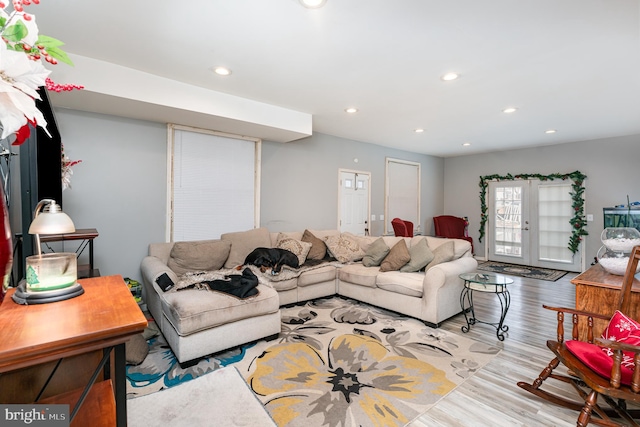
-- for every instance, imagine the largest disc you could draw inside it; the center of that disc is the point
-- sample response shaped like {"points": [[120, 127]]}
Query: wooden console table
{"points": [[48, 352], [598, 292]]}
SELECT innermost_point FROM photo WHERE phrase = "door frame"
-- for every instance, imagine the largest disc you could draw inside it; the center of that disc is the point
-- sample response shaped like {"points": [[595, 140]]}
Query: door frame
{"points": [[359, 172], [388, 229], [530, 185]]}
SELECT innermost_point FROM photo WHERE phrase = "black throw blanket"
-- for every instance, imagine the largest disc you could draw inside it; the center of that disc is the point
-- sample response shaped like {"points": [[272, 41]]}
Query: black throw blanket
{"points": [[239, 285]]}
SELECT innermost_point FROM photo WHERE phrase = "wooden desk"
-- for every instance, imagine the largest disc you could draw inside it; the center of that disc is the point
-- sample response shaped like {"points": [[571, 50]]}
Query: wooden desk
{"points": [[76, 331], [599, 292]]}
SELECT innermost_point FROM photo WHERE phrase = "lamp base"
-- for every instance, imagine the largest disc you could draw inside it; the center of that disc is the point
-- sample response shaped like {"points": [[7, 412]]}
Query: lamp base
{"points": [[24, 297]]}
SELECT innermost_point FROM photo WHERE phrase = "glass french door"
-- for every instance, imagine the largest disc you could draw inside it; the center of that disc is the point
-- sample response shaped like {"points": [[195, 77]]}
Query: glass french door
{"points": [[509, 222], [529, 224]]}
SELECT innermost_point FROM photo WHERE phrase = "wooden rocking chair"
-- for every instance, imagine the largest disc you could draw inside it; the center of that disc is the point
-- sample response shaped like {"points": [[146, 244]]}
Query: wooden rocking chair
{"points": [[618, 380]]}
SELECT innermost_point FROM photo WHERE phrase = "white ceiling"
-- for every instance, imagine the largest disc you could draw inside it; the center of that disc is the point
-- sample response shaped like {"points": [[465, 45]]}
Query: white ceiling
{"points": [[570, 65]]}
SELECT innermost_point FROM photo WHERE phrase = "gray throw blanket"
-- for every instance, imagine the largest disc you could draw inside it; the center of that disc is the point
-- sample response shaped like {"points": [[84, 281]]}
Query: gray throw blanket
{"points": [[197, 278]]}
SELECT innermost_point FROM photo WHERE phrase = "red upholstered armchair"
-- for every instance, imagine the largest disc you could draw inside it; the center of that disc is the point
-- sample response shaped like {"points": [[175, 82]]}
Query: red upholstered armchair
{"points": [[402, 228], [452, 227]]}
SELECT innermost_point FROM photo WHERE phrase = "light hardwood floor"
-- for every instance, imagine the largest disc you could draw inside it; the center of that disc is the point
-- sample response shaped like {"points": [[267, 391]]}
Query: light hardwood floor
{"points": [[491, 397]]}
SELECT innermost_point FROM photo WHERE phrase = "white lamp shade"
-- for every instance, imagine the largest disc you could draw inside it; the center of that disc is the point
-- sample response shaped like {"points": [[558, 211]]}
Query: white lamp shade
{"points": [[51, 221]]}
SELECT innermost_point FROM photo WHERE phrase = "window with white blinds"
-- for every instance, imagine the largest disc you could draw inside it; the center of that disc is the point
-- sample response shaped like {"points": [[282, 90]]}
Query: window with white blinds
{"points": [[215, 184], [402, 191]]}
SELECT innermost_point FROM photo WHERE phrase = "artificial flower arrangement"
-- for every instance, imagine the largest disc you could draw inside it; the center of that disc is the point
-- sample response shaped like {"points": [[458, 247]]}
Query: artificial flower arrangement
{"points": [[22, 71]]}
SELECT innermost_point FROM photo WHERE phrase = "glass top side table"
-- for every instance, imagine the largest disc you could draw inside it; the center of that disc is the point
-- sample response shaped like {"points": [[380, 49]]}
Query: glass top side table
{"points": [[489, 283]]}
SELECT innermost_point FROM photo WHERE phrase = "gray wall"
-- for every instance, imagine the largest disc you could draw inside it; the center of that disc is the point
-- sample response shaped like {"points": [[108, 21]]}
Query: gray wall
{"points": [[300, 182], [611, 166], [120, 186]]}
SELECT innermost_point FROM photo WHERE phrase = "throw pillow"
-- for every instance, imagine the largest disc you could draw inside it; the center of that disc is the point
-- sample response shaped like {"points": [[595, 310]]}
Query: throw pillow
{"points": [[198, 256], [376, 252], [398, 257], [344, 248], [318, 248], [299, 248], [622, 329], [243, 242], [421, 255], [443, 253]]}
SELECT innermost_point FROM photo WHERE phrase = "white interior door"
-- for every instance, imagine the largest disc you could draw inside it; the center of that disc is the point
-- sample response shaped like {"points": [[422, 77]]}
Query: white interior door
{"points": [[354, 202], [529, 224]]}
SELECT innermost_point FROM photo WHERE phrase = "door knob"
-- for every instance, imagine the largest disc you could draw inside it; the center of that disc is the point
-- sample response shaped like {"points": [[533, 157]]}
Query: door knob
{"points": [[525, 228]]}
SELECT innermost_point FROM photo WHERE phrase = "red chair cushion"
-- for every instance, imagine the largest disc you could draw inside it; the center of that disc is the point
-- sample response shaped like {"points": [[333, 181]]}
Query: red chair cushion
{"points": [[600, 359], [596, 359]]}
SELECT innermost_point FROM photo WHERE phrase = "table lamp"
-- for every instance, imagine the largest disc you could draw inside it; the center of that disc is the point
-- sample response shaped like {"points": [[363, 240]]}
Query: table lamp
{"points": [[50, 277]]}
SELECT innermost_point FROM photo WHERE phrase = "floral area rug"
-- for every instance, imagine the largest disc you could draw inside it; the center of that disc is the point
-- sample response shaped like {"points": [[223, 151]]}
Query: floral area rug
{"points": [[522, 271], [337, 362]]}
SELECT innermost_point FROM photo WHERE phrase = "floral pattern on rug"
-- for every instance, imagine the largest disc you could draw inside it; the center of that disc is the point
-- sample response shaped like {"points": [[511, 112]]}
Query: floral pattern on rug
{"points": [[358, 378], [339, 362], [336, 363]]}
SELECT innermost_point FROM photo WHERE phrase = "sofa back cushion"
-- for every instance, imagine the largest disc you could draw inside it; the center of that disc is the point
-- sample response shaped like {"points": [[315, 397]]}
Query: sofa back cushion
{"points": [[161, 250], [203, 255], [243, 242]]}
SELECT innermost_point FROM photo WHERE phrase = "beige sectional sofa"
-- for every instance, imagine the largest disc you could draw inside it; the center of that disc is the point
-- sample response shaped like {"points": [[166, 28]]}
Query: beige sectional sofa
{"points": [[200, 322]]}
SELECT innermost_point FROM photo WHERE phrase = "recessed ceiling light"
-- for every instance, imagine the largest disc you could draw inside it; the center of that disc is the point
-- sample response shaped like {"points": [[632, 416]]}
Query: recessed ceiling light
{"points": [[351, 110], [222, 71], [419, 130], [313, 4], [450, 76], [509, 110], [466, 144], [550, 131]]}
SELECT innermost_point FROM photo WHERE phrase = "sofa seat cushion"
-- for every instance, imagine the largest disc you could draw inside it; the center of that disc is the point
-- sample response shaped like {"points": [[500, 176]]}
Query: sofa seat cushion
{"points": [[317, 275], [285, 285], [358, 274], [195, 310], [410, 284]]}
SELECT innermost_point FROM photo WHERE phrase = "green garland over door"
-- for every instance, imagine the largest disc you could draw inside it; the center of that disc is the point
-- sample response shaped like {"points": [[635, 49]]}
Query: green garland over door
{"points": [[578, 221]]}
